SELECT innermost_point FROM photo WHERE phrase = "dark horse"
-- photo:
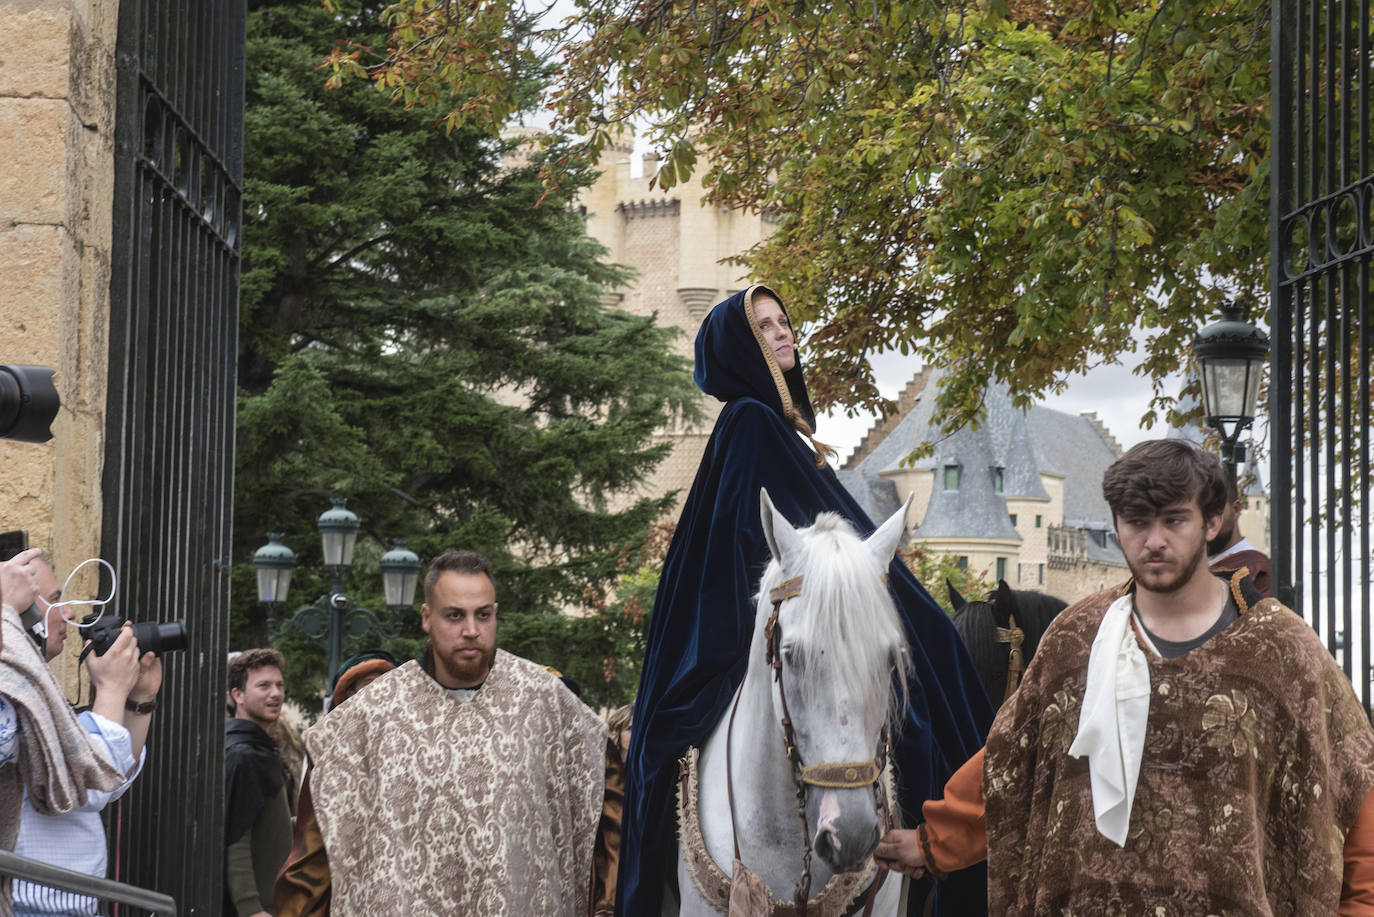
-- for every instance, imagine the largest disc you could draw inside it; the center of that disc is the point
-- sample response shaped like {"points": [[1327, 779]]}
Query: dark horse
{"points": [[1003, 633]]}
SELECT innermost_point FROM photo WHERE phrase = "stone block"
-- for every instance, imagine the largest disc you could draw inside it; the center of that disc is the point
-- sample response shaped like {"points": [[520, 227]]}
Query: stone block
{"points": [[39, 273], [38, 64], [34, 139]]}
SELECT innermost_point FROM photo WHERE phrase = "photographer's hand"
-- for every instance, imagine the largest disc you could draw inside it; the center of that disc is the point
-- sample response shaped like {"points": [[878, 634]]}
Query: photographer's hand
{"points": [[19, 579], [149, 678], [115, 674]]}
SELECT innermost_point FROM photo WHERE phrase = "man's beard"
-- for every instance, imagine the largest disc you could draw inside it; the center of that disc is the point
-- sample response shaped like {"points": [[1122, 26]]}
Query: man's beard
{"points": [[1170, 579], [470, 672]]}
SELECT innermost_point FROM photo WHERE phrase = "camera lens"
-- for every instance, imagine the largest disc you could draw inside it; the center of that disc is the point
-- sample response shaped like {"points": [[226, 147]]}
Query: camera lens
{"points": [[158, 638], [28, 403]]}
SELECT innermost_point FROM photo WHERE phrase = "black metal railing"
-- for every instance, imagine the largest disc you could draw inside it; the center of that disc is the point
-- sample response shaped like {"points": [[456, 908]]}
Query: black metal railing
{"points": [[54, 890], [1322, 242], [168, 477]]}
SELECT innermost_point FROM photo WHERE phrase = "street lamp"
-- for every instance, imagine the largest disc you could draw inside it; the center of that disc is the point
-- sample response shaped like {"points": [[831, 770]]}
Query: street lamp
{"points": [[274, 562], [333, 617], [1232, 353], [400, 574]]}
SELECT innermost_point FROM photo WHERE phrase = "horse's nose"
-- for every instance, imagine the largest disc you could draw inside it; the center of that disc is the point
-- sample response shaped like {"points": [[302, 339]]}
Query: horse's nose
{"points": [[845, 856], [828, 845]]}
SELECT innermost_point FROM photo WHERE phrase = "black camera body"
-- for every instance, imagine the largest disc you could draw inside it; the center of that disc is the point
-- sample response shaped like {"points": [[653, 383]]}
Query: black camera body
{"points": [[152, 636]]}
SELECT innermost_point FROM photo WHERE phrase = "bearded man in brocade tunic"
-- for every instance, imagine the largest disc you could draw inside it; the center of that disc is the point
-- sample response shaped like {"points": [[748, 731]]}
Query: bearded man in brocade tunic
{"points": [[469, 782], [1179, 746]]}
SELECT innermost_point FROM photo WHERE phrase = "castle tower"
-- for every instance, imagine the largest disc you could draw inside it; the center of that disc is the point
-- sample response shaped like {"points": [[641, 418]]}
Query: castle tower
{"points": [[677, 245]]}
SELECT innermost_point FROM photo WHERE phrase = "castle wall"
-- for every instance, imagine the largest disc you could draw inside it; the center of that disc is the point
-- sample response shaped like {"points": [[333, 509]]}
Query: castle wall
{"points": [[57, 111], [676, 244]]}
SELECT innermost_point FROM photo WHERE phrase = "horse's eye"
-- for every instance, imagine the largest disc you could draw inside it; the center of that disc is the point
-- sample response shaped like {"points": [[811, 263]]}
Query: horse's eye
{"points": [[789, 654]]}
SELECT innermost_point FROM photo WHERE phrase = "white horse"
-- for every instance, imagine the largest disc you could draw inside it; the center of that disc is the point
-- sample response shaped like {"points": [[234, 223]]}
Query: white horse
{"points": [[838, 643]]}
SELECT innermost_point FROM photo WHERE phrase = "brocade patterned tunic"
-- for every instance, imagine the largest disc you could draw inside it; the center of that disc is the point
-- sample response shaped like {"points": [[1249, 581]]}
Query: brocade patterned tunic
{"points": [[1257, 758], [429, 805]]}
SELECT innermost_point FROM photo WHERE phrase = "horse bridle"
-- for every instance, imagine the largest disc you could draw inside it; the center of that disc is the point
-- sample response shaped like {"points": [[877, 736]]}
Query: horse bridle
{"points": [[829, 774], [1016, 664]]}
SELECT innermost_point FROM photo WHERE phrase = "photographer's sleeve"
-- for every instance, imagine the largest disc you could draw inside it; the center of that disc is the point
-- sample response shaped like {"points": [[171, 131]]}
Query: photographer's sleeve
{"points": [[9, 732], [117, 745]]}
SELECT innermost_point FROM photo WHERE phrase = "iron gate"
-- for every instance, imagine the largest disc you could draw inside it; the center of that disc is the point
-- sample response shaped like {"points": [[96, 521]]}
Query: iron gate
{"points": [[168, 477], [1322, 239]]}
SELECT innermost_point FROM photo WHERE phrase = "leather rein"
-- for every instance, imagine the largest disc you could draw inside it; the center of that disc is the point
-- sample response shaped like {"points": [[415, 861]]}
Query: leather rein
{"points": [[829, 774]]}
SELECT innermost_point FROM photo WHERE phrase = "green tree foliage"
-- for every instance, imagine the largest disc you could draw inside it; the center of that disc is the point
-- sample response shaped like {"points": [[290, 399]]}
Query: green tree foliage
{"points": [[418, 336], [934, 569], [1011, 188]]}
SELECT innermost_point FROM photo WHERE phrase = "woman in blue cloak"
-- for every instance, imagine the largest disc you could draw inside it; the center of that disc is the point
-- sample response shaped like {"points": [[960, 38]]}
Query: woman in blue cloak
{"points": [[703, 614]]}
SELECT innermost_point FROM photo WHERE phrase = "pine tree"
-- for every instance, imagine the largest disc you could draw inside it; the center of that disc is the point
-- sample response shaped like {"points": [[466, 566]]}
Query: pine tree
{"points": [[419, 336]]}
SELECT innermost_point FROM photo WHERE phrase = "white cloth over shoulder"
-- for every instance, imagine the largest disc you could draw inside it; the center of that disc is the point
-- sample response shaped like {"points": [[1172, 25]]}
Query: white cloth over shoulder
{"points": [[1111, 725]]}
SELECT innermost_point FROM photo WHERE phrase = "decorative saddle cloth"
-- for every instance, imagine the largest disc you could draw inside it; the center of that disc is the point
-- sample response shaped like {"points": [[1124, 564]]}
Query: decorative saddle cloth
{"points": [[843, 894]]}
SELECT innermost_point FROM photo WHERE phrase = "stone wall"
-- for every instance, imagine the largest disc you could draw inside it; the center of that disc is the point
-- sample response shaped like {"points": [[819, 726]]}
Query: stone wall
{"points": [[57, 101]]}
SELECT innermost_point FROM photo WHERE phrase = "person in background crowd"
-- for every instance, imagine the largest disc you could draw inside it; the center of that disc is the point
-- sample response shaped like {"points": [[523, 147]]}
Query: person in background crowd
{"points": [[303, 887], [1230, 551], [257, 816]]}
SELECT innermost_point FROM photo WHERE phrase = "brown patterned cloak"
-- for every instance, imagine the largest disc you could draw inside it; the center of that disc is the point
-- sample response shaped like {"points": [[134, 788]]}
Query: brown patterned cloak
{"points": [[432, 806], [1257, 758]]}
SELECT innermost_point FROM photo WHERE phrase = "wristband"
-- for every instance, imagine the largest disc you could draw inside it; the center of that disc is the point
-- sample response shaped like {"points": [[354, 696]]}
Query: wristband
{"points": [[142, 708]]}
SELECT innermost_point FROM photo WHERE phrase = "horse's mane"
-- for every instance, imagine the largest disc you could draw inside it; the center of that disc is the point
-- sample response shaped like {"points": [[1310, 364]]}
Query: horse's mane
{"points": [[846, 621]]}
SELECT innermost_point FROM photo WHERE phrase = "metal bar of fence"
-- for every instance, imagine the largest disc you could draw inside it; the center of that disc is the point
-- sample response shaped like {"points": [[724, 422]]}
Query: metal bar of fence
{"points": [[1322, 245], [11, 864]]}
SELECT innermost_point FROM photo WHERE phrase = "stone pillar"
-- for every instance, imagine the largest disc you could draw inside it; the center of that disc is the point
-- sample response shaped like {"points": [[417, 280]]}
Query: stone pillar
{"points": [[57, 102]]}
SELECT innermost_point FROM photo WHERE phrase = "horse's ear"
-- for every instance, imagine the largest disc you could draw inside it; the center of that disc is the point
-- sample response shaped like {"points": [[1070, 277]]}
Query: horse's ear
{"points": [[783, 541], [1004, 605], [956, 601], [885, 540], [1005, 596]]}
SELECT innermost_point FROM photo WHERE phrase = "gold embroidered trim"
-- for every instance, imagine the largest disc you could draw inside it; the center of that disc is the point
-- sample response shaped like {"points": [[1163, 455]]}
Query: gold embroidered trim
{"points": [[1241, 606], [838, 896], [787, 589], [841, 775]]}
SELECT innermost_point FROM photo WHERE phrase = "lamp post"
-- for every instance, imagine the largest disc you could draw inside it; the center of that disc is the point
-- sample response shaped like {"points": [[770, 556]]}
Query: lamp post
{"points": [[333, 617], [1232, 353]]}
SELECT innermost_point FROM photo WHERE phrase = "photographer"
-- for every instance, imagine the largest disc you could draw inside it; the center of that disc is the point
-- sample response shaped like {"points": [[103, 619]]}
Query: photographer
{"points": [[56, 761], [125, 690]]}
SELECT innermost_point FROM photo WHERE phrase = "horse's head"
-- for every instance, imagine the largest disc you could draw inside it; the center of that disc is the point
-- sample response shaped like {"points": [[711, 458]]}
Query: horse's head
{"points": [[836, 645], [986, 628]]}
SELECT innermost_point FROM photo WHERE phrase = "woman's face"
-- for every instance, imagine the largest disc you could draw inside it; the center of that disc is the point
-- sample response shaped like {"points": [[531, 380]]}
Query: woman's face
{"points": [[777, 330]]}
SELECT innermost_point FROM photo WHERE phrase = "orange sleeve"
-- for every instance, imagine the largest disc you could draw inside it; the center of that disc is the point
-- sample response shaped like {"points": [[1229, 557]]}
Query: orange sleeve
{"points": [[1357, 888], [955, 833]]}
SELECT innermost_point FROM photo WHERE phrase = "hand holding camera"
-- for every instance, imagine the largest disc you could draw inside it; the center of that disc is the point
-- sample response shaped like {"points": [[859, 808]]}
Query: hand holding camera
{"points": [[114, 674]]}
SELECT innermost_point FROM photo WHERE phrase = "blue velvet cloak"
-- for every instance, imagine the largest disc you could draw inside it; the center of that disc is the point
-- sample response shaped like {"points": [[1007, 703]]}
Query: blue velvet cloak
{"points": [[703, 615]]}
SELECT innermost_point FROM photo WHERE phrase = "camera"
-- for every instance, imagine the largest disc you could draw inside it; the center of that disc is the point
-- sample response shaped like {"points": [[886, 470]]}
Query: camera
{"points": [[28, 403], [152, 636]]}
